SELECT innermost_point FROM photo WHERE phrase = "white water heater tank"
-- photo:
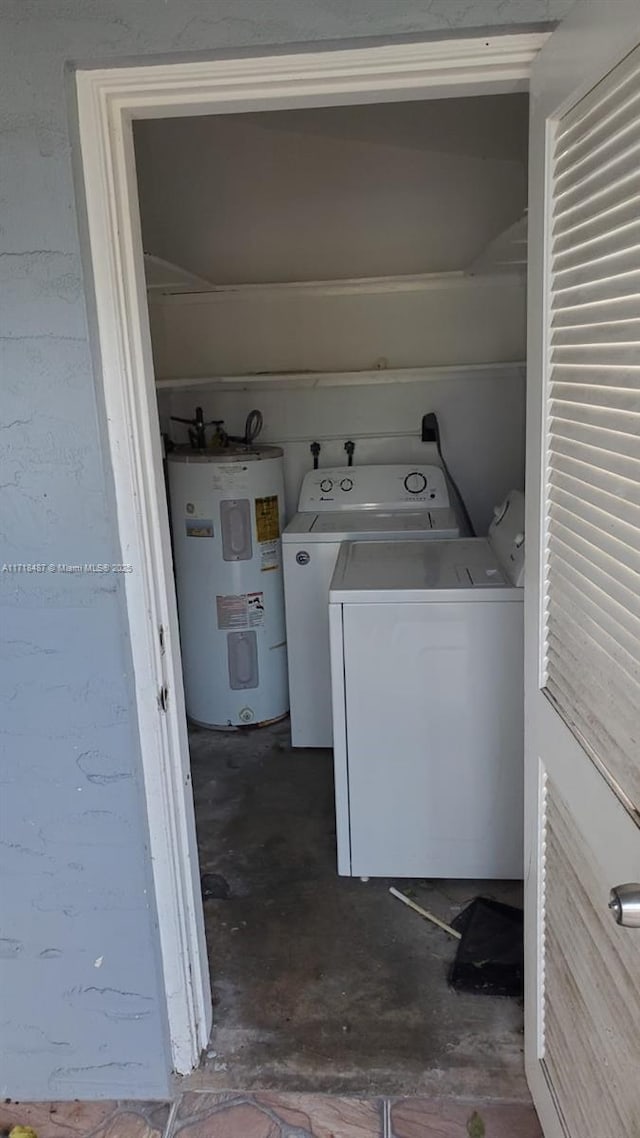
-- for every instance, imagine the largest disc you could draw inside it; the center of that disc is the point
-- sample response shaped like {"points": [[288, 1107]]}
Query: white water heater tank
{"points": [[226, 512]]}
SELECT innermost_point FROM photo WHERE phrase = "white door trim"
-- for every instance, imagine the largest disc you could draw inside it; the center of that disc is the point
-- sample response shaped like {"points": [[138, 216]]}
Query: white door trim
{"points": [[108, 101]]}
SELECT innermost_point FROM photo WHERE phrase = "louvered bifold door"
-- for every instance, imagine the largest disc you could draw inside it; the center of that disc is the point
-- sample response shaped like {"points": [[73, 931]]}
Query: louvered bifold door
{"points": [[592, 633]]}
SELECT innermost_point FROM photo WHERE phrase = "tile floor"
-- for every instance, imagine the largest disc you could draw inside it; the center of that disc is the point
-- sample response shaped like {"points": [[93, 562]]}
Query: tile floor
{"points": [[271, 1115]]}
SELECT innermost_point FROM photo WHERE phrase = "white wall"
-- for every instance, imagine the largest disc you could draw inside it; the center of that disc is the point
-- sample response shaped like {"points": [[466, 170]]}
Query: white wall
{"points": [[450, 319], [333, 192], [481, 415]]}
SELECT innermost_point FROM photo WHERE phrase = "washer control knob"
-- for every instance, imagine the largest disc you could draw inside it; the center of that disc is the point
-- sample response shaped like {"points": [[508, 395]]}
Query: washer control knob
{"points": [[415, 482], [326, 485], [303, 557], [346, 484]]}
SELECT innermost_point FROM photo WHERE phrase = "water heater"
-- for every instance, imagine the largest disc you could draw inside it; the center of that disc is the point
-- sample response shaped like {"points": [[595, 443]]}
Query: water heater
{"points": [[226, 512]]}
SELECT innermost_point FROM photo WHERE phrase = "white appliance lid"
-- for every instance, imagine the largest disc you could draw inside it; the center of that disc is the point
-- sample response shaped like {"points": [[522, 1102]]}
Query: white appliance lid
{"points": [[460, 569], [345, 524]]}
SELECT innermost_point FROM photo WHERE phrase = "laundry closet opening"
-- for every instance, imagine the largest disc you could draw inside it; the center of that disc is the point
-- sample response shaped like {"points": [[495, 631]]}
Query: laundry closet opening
{"points": [[337, 308]]}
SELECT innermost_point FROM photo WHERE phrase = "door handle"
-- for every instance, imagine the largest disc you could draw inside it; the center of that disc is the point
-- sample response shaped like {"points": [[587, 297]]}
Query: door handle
{"points": [[624, 902]]}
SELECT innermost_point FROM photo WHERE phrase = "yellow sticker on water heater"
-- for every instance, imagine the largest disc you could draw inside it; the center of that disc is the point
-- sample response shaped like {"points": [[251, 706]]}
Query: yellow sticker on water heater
{"points": [[267, 518]]}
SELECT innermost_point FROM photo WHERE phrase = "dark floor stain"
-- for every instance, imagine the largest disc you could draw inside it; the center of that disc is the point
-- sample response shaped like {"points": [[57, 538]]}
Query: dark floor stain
{"points": [[214, 887]]}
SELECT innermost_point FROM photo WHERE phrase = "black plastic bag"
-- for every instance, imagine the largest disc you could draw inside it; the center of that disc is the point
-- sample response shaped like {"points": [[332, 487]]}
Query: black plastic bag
{"points": [[490, 956]]}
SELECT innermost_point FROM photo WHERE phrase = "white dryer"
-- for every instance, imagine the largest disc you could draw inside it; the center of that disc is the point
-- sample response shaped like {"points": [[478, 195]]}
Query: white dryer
{"points": [[336, 504], [427, 680]]}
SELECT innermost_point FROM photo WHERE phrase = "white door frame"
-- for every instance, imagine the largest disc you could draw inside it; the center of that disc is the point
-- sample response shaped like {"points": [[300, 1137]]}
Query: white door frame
{"points": [[108, 102]]}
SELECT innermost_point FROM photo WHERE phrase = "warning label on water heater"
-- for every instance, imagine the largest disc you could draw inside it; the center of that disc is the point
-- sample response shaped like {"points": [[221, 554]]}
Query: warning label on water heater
{"points": [[241, 610], [267, 518], [230, 478], [269, 556]]}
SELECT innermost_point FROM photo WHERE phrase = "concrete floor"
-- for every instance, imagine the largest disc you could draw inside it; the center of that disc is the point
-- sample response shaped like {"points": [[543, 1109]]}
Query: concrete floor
{"points": [[324, 983]]}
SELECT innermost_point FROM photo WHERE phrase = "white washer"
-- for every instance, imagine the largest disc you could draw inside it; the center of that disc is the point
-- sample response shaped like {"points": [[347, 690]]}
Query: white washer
{"points": [[427, 680], [336, 504]]}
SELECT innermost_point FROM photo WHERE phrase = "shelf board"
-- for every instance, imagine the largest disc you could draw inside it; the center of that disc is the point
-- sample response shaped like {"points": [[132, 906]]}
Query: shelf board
{"points": [[310, 379]]}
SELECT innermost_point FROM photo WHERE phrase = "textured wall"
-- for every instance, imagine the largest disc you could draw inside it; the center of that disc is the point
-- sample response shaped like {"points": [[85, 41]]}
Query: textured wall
{"points": [[81, 993]]}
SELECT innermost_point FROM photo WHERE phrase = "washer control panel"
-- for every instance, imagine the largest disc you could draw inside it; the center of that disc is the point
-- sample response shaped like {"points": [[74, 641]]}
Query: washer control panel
{"points": [[374, 487]]}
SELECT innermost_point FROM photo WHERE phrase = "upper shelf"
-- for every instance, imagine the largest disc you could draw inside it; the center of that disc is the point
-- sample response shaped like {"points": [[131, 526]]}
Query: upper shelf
{"points": [[165, 277], [506, 253]]}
